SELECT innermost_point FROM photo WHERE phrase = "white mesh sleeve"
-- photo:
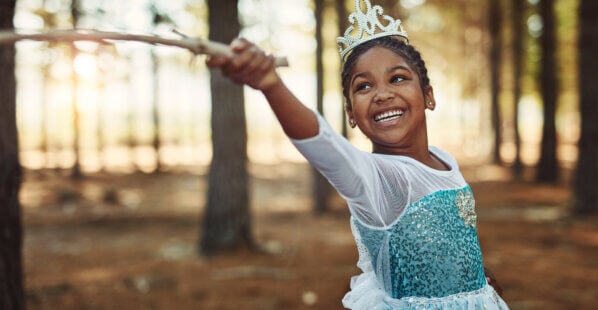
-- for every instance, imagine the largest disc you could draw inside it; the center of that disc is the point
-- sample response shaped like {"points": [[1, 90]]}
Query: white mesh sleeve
{"points": [[351, 171]]}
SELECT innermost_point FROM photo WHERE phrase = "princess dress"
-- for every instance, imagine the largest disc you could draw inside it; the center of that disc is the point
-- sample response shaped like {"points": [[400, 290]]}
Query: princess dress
{"points": [[415, 228], [429, 259]]}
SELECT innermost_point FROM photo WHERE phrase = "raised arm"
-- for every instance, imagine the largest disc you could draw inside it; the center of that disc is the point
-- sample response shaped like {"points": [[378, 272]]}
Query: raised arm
{"points": [[251, 66], [351, 171]]}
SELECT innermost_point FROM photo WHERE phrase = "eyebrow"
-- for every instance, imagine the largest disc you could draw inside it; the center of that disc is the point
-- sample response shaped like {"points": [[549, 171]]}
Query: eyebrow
{"points": [[399, 67]]}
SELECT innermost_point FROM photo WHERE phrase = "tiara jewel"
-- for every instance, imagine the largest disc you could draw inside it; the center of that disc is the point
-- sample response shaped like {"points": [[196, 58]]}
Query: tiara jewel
{"points": [[367, 26]]}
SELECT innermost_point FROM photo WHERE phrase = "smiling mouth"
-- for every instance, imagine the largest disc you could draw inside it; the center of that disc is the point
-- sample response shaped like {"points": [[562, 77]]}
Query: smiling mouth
{"points": [[388, 116]]}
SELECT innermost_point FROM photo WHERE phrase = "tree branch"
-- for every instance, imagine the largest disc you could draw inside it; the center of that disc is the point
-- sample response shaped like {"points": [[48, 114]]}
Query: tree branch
{"points": [[194, 45]]}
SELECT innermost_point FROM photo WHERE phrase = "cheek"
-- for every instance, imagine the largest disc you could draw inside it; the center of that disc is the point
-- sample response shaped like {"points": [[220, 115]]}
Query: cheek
{"points": [[359, 100], [360, 111], [356, 106]]}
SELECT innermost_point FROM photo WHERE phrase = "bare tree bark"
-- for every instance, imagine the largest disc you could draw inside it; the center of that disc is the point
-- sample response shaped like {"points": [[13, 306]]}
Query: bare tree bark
{"points": [[586, 183], [321, 188], [76, 172], [494, 15], [227, 219], [11, 268], [519, 31], [341, 12], [547, 168], [157, 142]]}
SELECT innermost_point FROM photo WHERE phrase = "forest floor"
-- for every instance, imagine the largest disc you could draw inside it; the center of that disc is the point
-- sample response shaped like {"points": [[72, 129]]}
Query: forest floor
{"points": [[128, 241]]}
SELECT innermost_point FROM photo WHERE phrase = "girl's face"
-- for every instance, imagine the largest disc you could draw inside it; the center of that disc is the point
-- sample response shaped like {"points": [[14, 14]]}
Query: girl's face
{"points": [[388, 103]]}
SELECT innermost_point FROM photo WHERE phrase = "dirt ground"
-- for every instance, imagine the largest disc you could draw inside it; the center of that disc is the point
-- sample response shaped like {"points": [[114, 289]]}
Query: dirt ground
{"points": [[128, 241]]}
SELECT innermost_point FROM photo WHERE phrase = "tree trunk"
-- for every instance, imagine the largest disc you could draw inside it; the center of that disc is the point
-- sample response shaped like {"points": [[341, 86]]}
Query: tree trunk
{"points": [[586, 183], [547, 169], [131, 138], [157, 142], [519, 31], [494, 16], [101, 144], [341, 12], [45, 114], [321, 187], [227, 221], [11, 268], [76, 172]]}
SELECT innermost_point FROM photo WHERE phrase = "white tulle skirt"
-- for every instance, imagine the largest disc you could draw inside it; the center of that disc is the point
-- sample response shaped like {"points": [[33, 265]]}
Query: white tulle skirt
{"points": [[366, 294]]}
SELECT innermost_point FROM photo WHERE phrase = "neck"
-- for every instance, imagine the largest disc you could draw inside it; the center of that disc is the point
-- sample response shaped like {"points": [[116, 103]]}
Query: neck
{"points": [[419, 151]]}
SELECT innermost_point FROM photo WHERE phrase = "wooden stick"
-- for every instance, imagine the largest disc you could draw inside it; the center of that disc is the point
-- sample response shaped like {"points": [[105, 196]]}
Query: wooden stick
{"points": [[194, 45]]}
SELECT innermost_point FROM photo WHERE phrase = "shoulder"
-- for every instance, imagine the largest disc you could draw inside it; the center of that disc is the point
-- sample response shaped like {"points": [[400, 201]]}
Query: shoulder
{"points": [[445, 156]]}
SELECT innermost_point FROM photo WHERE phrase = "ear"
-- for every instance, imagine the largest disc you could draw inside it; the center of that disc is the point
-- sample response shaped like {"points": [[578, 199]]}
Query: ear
{"points": [[429, 100], [350, 116]]}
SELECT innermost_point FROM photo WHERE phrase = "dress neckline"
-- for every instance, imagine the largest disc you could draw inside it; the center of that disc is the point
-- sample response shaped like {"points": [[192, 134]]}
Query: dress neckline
{"points": [[436, 152]]}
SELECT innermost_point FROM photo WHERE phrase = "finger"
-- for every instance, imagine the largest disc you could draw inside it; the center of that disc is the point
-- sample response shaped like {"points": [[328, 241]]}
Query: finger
{"points": [[260, 67], [264, 67], [245, 58], [254, 63], [267, 64], [218, 61], [259, 78], [238, 45], [241, 62]]}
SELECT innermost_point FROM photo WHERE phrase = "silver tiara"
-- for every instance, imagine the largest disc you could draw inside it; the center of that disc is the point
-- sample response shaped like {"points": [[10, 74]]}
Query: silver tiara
{"points": [[367, 26]]}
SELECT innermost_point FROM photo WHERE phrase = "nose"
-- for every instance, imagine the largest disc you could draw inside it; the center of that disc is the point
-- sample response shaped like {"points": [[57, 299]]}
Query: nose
{"points": [[383, 94]]}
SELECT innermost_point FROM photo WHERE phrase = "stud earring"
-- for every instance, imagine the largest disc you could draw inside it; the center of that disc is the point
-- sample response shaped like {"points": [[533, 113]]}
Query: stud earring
{"points": [[352, 123]]}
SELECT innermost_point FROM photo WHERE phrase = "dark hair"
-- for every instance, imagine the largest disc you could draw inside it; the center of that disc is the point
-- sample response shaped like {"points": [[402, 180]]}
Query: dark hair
{"points": [[408, 52]]}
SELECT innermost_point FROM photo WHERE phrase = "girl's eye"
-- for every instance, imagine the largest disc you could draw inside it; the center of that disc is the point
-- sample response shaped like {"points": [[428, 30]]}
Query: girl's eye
{"points": [[397, 79], [362, 86]]}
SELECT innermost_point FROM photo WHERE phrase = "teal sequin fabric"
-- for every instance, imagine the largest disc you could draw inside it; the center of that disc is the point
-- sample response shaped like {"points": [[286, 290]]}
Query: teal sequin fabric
{"points": [[431, 251]]}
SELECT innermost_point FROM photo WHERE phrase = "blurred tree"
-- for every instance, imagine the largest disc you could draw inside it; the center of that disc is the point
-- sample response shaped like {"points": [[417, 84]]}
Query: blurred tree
{"points": [[547, 168], [49, 22], [45, 111], [76, 172], [586, 183], [131, 118], [468, 53], [494, 23], [519, 32], [157, 19], [321, 187], [341, 12], [99, 133], [227, 220], [11, 268]]}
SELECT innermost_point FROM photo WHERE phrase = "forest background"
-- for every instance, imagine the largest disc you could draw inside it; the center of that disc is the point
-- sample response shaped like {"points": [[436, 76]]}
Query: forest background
{"points": [[149, 180]]}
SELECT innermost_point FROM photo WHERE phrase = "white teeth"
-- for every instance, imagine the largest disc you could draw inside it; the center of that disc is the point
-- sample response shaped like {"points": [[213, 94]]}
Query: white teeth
{"points": [[388, 115]]}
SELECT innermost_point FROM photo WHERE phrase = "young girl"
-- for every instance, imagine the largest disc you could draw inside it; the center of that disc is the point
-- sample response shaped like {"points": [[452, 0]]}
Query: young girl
{"points": [[412, 213]]}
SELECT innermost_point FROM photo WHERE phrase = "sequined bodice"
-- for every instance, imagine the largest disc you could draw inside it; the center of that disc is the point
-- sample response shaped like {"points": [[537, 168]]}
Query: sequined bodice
{"points": [[431, 251]]}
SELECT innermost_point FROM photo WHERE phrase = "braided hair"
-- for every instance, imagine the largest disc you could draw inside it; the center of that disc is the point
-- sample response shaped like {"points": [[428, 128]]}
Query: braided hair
{"points": [[408, 52]]}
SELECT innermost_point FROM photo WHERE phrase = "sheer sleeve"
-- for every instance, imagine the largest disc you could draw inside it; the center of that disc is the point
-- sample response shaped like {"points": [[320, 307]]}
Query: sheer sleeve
{"points": [[352, 172]]}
